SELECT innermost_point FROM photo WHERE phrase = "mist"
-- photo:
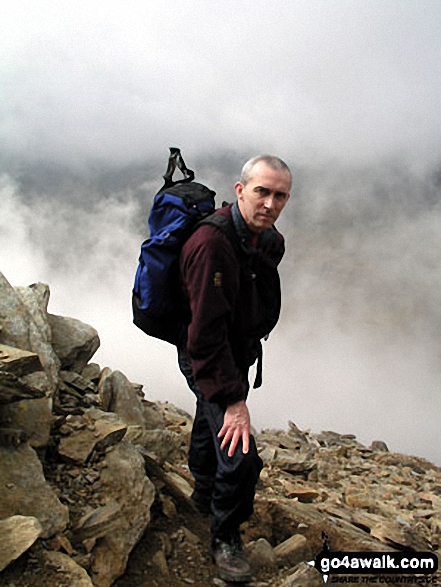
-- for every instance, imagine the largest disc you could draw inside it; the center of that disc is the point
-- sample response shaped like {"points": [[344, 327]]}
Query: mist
{"points": [[357, 349], [346, 91]]}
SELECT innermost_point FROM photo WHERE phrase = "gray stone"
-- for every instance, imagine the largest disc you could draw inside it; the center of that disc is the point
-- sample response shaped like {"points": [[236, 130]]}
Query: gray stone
{"points": [[261, 555], [18, 361], [65, 570], [124, 482], [92, 372], [304, 576], [25, 491], [164, 444], [100, 430], [291, 551], [13, 389], [33, 417], [124, 400], [98, 522], [160, 563], [17, 534], [73, 341], [105, 389], [14, 317], [25, 326], [77, 381], [379, 446]]}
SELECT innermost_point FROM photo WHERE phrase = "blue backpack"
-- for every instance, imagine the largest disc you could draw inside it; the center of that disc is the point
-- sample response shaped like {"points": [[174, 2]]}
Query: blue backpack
{"points": [[177, 208]]}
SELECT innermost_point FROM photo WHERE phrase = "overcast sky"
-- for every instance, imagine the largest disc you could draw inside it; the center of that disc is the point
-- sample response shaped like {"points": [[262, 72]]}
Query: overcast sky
{"points": [[113, 80], [93, 93]]}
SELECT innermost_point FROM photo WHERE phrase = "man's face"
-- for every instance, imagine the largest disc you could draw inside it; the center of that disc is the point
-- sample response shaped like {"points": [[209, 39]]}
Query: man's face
{"points": [[264, 196]]}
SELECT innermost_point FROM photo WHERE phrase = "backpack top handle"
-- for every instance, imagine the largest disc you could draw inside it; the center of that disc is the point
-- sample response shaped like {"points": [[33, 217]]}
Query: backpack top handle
{"points": [[176, 160]]}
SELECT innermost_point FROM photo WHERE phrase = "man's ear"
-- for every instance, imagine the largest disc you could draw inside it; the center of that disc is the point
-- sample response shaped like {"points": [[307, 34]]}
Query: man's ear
{"points": [[239, 189]]}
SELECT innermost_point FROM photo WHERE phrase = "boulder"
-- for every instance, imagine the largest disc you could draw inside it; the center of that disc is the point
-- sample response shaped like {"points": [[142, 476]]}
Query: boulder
{"points": [[261, 555], [124, 400], [33, 417], [65, 571], [73, 341], [125, 483], [17, 534], [26, 492], [13, 389], [25, 326], [304, 576], [291, 551], [94, 430], [18, 361]]}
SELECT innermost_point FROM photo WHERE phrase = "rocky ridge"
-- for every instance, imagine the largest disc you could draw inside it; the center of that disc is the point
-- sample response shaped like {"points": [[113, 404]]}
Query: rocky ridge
{"points": [[94, 486]]}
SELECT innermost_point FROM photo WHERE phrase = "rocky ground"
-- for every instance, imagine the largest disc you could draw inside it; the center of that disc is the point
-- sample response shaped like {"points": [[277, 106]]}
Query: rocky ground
{"points": [[95, 487]]}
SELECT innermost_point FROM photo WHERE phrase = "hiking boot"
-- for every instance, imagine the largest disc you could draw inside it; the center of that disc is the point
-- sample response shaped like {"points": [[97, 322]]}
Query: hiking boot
{"points": [[231, 559], [202, 502]]}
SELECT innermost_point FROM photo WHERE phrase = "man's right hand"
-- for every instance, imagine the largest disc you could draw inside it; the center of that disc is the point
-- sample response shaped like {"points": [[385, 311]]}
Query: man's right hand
{"points": [[236, 426]]}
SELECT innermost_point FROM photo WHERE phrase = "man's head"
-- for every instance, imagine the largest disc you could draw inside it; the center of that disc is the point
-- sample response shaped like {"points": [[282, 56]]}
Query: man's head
{"points": [[262, 191]]}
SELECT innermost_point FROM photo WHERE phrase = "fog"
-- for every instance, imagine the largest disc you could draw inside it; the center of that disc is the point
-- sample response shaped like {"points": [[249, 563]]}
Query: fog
{"points": [[347, 92], [357, 349]]}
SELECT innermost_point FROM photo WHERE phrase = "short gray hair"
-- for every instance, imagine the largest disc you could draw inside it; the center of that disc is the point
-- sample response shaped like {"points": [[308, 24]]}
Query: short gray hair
{"points": [[274, 162]]}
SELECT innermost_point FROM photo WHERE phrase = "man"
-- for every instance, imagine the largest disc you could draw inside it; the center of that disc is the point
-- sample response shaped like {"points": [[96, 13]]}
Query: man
{"points": [[233, 291]]}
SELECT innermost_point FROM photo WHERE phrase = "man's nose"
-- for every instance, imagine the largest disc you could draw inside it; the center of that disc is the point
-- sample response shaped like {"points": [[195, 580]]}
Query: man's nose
{"points": [[269, 202]]}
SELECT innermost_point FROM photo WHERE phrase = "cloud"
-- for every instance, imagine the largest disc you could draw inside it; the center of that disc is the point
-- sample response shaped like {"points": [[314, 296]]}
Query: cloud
{"points": [[93, 94], [357, 349], [309, 80]]}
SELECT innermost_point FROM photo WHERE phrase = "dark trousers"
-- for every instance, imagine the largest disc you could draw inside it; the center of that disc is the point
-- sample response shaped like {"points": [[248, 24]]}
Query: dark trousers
{"points": [[230, 481]]}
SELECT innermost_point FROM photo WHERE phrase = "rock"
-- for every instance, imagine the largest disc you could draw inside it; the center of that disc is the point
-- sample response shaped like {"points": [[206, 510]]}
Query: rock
{"points": [[17, 534], [153, 418], [164, 444], [25, 325], [12, 437], [66, 570], [124, 400], [399, 535], [77, 382], [13, 389], [293, 463], [33, 417], [14, 317], [344, 536], [291, 551], [73, 341], [95, 430], [105, 389], [379, 446], [25, 491], [302, 492], [92, 372], [18, 361], [124, 482], [160, 563], [178, 486], [98, 522], [304, 576], [261, 555]]}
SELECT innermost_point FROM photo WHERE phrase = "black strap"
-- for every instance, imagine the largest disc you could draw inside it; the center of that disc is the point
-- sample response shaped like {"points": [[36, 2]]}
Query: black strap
{"points": [[258, 378], [176, 160], [225, 226]]}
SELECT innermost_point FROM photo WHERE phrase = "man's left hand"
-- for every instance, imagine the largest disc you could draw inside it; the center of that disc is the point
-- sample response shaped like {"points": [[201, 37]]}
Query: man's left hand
{"points": [[236, 426]]}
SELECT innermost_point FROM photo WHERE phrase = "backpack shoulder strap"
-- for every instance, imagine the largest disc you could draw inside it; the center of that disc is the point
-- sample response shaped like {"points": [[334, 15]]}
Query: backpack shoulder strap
{"points": [[226, 227]]}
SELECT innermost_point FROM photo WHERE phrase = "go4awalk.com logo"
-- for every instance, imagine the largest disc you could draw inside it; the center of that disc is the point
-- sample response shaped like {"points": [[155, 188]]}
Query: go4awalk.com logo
{"points": [[387, 568]]}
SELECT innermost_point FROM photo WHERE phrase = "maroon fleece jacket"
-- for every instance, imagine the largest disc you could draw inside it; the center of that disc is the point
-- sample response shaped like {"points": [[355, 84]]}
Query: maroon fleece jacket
{"points": [[220, 310]]}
